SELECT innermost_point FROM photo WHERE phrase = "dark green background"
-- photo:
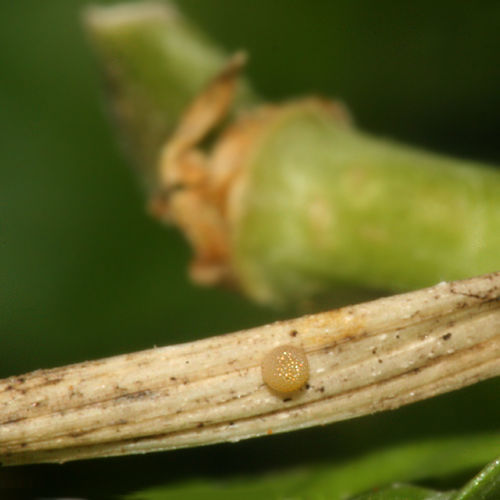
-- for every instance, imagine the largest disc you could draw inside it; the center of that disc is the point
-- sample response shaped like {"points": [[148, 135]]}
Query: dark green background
{"points": [[85, 273]]}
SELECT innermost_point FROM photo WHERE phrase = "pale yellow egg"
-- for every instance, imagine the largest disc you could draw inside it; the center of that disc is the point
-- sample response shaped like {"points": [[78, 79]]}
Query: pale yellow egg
{"points": [[285, 368]]}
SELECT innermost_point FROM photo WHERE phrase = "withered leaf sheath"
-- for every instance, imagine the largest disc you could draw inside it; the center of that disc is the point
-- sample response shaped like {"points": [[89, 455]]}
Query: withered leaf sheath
{"points": [[362, 359]]}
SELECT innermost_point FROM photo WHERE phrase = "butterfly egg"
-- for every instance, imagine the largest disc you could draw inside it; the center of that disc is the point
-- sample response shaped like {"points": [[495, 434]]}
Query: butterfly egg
{"points": [[285, 368]]}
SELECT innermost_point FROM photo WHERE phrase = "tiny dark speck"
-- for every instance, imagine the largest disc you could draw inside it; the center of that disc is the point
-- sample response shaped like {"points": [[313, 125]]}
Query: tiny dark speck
{"points": [[321, 389], [201, 424], [187, 361], [379, 360], [173, 378], [293, 333], [308, 386], [447, 336], [286, 400]]}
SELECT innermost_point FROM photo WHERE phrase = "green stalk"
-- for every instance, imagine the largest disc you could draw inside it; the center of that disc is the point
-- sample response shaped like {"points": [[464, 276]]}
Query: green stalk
{"points": [[327, 206], [315, 207], [154, 62]]}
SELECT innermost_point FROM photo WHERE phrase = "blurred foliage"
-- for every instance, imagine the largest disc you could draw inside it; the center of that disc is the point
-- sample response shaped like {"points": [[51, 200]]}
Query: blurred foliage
{"points": [[412, 461], [85, 273]]}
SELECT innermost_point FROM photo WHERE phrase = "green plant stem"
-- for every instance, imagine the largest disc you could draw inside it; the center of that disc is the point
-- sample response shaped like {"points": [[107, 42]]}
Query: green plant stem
{"points": [[323, 209], [327, 206], [154, 62]]}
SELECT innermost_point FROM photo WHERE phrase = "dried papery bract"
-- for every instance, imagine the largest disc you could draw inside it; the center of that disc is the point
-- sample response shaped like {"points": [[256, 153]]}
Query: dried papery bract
{"points": [[362, 359], [190, 188]]}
